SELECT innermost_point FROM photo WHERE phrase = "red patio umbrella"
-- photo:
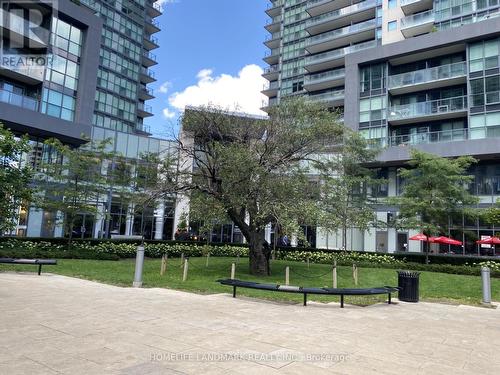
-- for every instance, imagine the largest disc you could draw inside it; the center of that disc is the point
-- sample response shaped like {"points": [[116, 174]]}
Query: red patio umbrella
{"points": [[419, 237], [445, 240], [489, 241]]}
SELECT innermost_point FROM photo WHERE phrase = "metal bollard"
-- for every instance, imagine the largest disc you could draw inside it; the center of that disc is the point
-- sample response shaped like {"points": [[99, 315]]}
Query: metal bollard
{"points": [[485, 278], [139, 263]]}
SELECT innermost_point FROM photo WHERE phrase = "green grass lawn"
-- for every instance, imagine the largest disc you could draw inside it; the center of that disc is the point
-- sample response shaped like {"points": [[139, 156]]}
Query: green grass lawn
{"points": [[201, 279]]}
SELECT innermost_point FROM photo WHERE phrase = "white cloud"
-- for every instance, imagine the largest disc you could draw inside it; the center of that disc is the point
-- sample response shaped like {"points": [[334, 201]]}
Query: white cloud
{"points": [[168, 113], [165, 87], [163, 2], [241, 92]]}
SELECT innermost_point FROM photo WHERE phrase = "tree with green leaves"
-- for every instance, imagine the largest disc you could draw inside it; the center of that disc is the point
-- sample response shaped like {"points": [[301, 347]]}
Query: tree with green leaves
{"points": [[491, 215], [15, 177], [434, 188], [349, 186], [72, 181], [256, 170]]}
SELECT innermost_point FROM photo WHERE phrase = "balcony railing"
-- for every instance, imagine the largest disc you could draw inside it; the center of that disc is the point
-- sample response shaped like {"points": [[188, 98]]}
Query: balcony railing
{"points": [[428, 75], [440, 106], [149, 55], [273, 36], [417, 19], [428, 137], [341, 32], [312, 3], [18, 100], [325, 76], [272, 69], [341, 12], [152, 39], [146, 91], [338, 53], [328, 96], [153, 21], [276, 19], [148, 72], [274, 4], [145, 107], [271, 86]]}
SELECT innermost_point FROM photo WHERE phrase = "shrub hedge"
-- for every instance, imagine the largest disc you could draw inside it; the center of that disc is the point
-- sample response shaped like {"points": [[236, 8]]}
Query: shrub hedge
{"points": [[122, 249]]}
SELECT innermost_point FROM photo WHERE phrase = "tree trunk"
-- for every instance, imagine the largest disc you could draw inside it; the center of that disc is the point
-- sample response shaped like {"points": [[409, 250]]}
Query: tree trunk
{"points": [[70, 236], [258, 255], [344, 237]]}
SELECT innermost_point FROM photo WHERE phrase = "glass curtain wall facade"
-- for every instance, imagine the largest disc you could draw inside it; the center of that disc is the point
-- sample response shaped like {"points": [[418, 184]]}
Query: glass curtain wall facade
{"points": [[404, 76], [96, 84]]}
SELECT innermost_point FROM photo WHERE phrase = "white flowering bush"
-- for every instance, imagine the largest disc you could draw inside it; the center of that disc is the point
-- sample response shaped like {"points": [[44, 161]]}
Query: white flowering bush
{"points": [[344, 257], [492, 265]]}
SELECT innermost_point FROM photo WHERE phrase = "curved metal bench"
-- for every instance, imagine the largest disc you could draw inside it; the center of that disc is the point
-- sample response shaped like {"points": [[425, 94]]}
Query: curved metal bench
{"points": [[35, 262], [305, 291]]}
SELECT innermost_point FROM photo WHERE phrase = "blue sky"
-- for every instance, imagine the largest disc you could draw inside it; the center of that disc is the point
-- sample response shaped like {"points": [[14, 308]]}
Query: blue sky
{"points": [[204, 45]]}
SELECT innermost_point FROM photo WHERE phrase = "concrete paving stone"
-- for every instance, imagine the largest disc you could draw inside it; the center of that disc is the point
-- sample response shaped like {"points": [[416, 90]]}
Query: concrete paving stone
{"points": [[23, 365], [55, 324]]}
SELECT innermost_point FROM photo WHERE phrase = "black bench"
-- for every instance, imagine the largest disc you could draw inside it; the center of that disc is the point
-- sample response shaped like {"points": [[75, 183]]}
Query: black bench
{"points": [[35, 262], [305, 291]]}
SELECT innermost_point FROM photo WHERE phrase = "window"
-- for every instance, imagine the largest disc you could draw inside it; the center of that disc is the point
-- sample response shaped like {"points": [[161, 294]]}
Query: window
{"points": [[57, 104], [393, 25], [392, 4]]}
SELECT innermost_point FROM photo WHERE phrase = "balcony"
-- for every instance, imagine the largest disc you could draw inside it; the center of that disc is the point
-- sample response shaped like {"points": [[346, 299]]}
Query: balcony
{"points": [[146, 75], [150, 42], [428, 111], [23, 72], [18, 100], [271, 73], [426, 79], [341, 17], [144, 110], [274, 8], [334, 58], [273, 40], [413, 6], [417, 24], [143, 129], [331, 98], [350, 34], [145, 93], [271, 89], [428, 137], [272, 57], [153, 8], [152, 25], [321, 81], [266, 105], [148, 59], [317, 7], [274, 24]]}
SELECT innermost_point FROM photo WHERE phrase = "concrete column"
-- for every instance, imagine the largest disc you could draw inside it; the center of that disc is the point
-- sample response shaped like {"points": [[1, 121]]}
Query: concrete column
{"points": [[99, 220], [59, 227], [268, 233], [129, 220], [34, 227], [159, 220]]}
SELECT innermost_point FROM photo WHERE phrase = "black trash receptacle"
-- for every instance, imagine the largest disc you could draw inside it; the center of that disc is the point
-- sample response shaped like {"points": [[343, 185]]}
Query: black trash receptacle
{"points": [[408, 283]]}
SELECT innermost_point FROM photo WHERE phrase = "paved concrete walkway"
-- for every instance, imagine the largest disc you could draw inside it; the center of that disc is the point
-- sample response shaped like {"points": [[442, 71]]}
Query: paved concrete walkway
{"points": [[53, 324]]}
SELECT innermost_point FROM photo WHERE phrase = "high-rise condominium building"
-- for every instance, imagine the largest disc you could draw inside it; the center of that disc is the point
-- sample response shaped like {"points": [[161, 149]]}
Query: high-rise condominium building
{"points": [[404, 73], [75, 70]]}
